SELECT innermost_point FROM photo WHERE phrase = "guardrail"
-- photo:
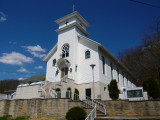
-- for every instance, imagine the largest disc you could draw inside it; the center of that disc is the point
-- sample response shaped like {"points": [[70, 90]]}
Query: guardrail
{"points": [[92, 114]]}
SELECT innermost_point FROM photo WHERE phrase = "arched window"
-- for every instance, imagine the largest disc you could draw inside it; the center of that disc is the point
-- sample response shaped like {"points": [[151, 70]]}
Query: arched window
{"points": [[65, 50], [58, 91], [68, 93], [87, 54], [76, 94], [54, 62]]}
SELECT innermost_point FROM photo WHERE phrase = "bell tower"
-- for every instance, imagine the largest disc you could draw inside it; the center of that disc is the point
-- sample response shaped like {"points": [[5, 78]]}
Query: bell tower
{"points": [[73, 20], [69, 27]]}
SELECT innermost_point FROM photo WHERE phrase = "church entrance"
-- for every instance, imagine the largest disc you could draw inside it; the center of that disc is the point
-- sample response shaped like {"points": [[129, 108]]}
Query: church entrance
{"points": [[88, 93], [64, 71]]}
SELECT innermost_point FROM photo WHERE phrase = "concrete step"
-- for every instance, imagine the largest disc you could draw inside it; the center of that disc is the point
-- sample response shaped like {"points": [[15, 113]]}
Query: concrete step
{"points": [[127, 118]]}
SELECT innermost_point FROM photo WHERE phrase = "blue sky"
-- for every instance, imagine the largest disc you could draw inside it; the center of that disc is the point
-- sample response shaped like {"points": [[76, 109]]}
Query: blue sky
{"points": [[27, 29]]}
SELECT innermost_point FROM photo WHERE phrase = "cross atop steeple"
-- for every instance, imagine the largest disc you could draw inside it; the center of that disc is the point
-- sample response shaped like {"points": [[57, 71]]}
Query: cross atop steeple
{"points": [[73, 7]]}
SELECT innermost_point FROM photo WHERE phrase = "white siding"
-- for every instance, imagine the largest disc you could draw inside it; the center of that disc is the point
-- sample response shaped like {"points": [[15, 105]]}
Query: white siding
{"points": [[84, 69]]}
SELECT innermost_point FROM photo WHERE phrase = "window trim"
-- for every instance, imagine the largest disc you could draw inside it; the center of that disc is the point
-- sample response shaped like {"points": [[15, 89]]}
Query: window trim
{"points": [[54, 60], [89, 54], [64, 52]]}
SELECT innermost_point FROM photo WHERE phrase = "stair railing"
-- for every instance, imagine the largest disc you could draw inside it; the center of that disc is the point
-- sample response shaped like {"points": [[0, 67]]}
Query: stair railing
{"points": [[100, 106], [92, 114], [43, 87], [52, 93], [43, 90], [90, 103], [64, 79]]}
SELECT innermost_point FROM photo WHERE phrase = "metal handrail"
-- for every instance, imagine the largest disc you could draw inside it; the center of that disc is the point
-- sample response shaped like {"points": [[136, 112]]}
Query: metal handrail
{"points": [[52, 93], [90, 103], [92, 114], [43, 89], [100, 106], [64, 79]]}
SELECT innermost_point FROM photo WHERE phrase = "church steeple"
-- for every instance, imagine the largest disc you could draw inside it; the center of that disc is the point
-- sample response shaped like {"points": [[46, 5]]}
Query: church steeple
{"points": [[73, 19]]}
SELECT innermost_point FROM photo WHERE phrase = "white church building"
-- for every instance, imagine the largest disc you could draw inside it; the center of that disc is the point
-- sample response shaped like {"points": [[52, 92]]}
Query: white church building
{"points": [[77, 63], [73, 57]]}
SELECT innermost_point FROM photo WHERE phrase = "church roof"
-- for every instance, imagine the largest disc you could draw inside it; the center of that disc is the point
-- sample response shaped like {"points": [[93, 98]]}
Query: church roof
{"points": [[74, 14], [46, 58], [71, 25]]}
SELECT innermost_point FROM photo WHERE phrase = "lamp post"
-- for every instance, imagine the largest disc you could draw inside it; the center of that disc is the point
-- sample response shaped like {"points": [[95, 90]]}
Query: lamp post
{"points": [[92, 66]]}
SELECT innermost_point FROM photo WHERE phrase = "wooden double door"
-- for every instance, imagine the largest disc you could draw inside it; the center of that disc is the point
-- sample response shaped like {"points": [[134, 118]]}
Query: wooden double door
{"points": [[64, 71]]}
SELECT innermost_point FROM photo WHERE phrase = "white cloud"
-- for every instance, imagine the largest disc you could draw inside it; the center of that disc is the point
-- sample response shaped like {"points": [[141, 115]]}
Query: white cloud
{"points": [[39, 67], [3, 17], [13, 43], [15, 58], [37, 54], [21, 78], [35, 48], [23, 70], [36, 51]]}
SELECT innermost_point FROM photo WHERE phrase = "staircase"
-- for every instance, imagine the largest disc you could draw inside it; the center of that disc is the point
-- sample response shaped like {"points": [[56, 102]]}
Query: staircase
{"points": [[48, 90]]}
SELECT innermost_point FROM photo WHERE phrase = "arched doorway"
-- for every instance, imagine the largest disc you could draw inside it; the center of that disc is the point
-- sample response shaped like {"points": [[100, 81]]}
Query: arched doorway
{"points": [[63, 65], [58, 91], [68, 93]]}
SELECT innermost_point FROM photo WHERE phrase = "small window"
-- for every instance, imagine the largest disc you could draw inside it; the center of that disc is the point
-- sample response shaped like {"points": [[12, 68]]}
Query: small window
{"points": [[104, 88], [76, 68], [87, 54], [54, 62], [103, 64]]}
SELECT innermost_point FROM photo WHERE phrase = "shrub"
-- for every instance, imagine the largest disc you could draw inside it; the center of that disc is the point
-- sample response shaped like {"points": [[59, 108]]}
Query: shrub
{"points": [[113, 89], [152, 86], [76, 113]]}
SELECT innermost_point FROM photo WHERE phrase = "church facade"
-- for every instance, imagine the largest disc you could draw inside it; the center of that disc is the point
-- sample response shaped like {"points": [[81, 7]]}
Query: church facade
{"points": [[79, 63]]}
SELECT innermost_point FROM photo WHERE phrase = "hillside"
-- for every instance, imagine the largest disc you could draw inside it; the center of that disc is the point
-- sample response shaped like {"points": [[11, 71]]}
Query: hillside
{"points": [[34, 79]]}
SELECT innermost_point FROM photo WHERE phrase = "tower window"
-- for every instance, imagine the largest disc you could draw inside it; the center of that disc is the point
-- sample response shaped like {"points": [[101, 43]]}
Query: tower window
{"points": [[54, 62], [87, 54], [65, 50], [103, 64]]}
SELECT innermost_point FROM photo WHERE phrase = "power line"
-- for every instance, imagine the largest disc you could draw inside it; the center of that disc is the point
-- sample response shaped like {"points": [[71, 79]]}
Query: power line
{"points": [[145, 3]]}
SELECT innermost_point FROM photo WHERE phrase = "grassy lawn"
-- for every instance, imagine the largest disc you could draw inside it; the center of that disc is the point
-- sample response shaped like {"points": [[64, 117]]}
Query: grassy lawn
{"points": [[9, 117]]}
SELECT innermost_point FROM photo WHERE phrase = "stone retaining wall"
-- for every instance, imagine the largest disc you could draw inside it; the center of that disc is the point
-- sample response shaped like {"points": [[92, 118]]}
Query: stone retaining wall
{"points": [[57, 108], [132, 108], [36, 108]]}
